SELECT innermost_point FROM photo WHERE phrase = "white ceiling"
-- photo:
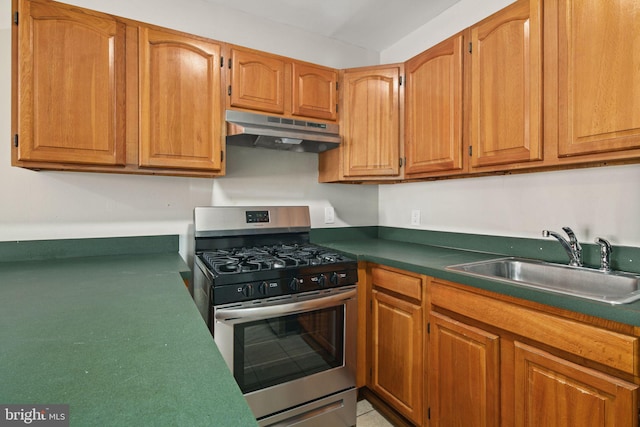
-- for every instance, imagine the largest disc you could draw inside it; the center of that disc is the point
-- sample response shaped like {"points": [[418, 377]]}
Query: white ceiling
{"points": [[371, 24]]}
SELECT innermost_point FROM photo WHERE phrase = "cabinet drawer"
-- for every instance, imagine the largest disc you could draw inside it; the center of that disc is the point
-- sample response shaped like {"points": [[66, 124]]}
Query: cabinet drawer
{"points": [[394, 281], [602, 346]]}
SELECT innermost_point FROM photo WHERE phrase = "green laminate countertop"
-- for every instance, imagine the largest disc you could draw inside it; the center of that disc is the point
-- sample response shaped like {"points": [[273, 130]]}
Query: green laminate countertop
{"points": [[433, 260], [118, 338]]}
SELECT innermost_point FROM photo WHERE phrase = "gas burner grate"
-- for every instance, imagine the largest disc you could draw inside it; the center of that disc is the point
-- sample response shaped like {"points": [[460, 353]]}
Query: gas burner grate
{"points": [[282, 256]]}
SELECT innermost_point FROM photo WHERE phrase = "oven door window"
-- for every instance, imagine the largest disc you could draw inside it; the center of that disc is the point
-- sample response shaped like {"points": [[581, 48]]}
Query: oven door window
{"points": [[281, 349]]}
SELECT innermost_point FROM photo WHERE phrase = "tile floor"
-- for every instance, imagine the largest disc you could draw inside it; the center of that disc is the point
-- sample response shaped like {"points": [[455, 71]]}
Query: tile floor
{"points": [[369, 417]]}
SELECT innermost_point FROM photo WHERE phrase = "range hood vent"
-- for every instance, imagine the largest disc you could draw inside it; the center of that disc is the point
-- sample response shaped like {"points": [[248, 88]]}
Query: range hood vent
{"points": [[280, 133]]}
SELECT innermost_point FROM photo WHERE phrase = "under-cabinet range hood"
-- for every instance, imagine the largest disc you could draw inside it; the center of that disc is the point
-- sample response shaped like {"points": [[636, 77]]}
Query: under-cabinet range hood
{"points": [[280, 133]]}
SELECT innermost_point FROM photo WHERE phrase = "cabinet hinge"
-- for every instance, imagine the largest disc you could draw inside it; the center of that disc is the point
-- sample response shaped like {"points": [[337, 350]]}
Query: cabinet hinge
{"points": [[337, 106], [428, 327], [401, 162], [229, 90], [470, 47], [222, 156], [400, 80], [221, 61], [15, 18], [337, 86], [15, 140], [428, 413], [229, 63], [471, 151]]}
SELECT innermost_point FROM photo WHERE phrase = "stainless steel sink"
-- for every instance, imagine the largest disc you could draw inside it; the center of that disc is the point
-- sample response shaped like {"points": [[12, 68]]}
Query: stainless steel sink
{"points": [[614, 287]]}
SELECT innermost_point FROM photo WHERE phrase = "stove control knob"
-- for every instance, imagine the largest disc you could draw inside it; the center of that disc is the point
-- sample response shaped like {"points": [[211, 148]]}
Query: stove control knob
{"points": [[247, 290], [335, 278], [294, 285], [264, 288], [322, 280]]}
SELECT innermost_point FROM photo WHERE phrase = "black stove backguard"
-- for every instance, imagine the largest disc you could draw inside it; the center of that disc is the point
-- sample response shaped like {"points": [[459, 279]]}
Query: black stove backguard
{"points": [[204, 244]]}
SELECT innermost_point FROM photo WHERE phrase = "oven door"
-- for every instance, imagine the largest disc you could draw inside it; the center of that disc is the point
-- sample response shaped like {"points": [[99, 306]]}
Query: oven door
{"points": [[291, 350]]}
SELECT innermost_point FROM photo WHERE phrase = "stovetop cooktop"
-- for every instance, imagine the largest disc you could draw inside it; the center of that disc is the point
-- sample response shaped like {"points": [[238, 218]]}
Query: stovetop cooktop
{"points": [[274, 257]]}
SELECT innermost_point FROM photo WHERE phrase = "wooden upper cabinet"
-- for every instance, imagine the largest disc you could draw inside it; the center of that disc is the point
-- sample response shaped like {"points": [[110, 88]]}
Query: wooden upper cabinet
{"points": [[314, 91], [505, 106], [180, 101], [433, 109], [599, 76], [553, 392], [257, 81], [370, 122], [71, 85]]}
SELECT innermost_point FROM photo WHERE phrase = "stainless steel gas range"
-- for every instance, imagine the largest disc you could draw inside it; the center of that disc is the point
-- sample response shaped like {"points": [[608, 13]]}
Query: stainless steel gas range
{"points": [[281, 310]]}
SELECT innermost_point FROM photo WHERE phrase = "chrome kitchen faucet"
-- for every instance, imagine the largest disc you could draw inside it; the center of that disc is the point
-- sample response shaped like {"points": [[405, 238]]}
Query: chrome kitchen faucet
{"points": [[572, 247]]}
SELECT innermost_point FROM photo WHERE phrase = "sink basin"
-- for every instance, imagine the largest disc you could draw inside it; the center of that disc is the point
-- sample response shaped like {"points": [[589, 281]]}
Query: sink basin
{"points": [[614, 287]]}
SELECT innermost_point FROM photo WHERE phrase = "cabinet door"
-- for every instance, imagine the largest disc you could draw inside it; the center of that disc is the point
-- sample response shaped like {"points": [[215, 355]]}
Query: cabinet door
{"points": [[71, 86], [180, 101], [464, 374], [433, 109], [371, 122], [506, 86], [257, 81], [314, 91], [552, 392], [397, 354], [599, 76]]}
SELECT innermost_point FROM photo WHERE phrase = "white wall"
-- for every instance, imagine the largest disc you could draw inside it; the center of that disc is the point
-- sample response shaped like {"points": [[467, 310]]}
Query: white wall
{"points": [[458, 17], [594, 202], [291, 179], [601, 202], [55, 205], [213, 21]]}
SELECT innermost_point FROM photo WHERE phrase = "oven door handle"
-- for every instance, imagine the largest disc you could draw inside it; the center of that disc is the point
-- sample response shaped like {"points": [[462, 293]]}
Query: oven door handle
{"points": [[238, 315]]}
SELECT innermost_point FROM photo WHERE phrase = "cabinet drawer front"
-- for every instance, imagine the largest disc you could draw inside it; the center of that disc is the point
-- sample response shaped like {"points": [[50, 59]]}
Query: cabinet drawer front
{"points": [[403, 284], [609, 348]]}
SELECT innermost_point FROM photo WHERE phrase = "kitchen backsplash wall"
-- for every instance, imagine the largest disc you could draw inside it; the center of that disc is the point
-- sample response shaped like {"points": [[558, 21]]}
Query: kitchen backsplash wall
{"points": [[260, 176], [594, 202]]}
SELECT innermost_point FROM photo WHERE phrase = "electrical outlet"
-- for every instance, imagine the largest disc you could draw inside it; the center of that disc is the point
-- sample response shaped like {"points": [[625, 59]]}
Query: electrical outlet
{"points": [[329, 215], [415, 217]]}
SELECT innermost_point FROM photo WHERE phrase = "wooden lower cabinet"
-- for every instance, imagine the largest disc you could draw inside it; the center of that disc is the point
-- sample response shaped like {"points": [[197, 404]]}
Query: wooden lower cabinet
{"points": [[464, 374], [551, 391], [442, 354], [496, 363], [396, 345]]}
